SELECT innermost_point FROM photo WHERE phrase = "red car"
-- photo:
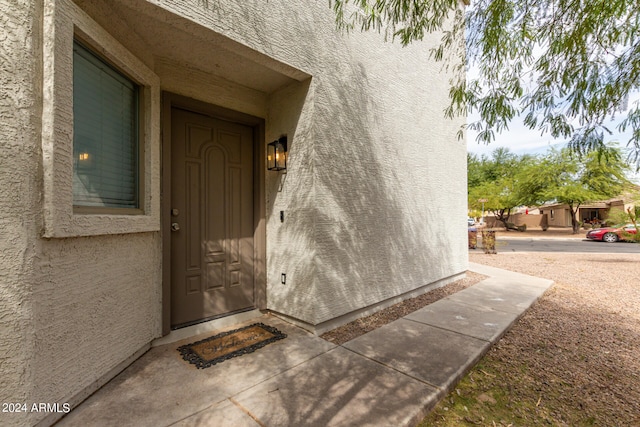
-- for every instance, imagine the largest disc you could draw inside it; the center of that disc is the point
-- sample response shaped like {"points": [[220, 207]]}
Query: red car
{"points": [[611, 234]]}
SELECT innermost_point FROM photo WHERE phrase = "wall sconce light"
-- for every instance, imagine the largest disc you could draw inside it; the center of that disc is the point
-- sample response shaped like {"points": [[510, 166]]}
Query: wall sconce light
{"points": [[277, 154], [83, 156]]}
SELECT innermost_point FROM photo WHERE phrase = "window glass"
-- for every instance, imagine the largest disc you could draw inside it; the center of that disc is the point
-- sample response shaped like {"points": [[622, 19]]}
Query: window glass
{"points": [[105, 134]]}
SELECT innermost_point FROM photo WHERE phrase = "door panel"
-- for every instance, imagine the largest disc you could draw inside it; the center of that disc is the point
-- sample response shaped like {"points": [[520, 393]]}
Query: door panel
{"points": [[212, 205]]}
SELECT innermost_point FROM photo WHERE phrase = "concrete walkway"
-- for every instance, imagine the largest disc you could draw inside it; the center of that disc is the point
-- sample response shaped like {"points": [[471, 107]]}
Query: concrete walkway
{"points": [[391, 376]]}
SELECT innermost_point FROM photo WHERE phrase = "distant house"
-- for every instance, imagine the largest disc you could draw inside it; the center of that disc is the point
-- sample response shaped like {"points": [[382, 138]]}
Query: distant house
{"points": [[135, 193], [559, 215]]}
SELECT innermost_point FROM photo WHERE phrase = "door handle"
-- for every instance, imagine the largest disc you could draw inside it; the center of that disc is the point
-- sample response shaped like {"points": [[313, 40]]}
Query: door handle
{"points": [[175, 226]]}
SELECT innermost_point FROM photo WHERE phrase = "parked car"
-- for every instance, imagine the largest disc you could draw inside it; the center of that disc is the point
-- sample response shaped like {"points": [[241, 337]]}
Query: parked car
{"points": [[470, 222], [611, 234]]}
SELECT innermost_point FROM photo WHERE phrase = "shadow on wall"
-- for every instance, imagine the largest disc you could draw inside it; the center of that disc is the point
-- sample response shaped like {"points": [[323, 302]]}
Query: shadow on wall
{"points": [[375, 235], [290, 243]]}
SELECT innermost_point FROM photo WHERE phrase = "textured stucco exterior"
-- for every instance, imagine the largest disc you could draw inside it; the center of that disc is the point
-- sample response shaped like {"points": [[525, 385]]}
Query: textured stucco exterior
{"points": [[374, 196], [20, 195]]}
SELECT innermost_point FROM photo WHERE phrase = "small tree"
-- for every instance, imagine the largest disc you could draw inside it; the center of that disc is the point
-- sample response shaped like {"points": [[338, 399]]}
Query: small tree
{"points": [[564, 177], [499, 199], [497, 180]]}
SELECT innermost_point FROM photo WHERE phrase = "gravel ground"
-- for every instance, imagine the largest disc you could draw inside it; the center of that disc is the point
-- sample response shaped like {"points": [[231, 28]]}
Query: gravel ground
{"points": [[579, 346], [361, 326]]}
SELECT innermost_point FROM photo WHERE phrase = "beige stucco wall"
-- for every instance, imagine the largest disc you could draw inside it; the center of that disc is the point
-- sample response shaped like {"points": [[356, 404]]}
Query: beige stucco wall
{"points": [[561, 217], [387, 176], [19, 197], [72, 309], [374, 196], [368, 143], [376, 185]]}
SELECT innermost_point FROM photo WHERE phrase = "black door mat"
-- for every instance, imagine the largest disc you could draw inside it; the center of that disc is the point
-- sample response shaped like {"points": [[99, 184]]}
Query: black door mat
{"points": [[226, 345]]}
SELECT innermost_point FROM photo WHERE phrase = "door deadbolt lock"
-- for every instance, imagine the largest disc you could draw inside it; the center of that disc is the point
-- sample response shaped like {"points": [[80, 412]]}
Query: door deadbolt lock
{"points": [[175, 226]]}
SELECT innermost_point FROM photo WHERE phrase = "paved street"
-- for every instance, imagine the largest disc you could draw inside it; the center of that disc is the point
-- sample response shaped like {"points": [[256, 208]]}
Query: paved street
{"points": [[561, 245]]}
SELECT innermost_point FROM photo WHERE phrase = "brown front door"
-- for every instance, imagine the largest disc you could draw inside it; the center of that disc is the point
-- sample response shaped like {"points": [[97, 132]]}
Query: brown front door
{"points": [[211, 217]]}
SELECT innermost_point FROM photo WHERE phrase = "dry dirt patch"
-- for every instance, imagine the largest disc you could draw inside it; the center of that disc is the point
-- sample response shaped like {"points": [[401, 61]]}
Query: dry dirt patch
{"points": [[573, 359]]}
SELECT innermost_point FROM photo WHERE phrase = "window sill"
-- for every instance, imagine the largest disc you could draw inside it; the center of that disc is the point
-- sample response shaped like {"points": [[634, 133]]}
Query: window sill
{"points": [[104, 224]]}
